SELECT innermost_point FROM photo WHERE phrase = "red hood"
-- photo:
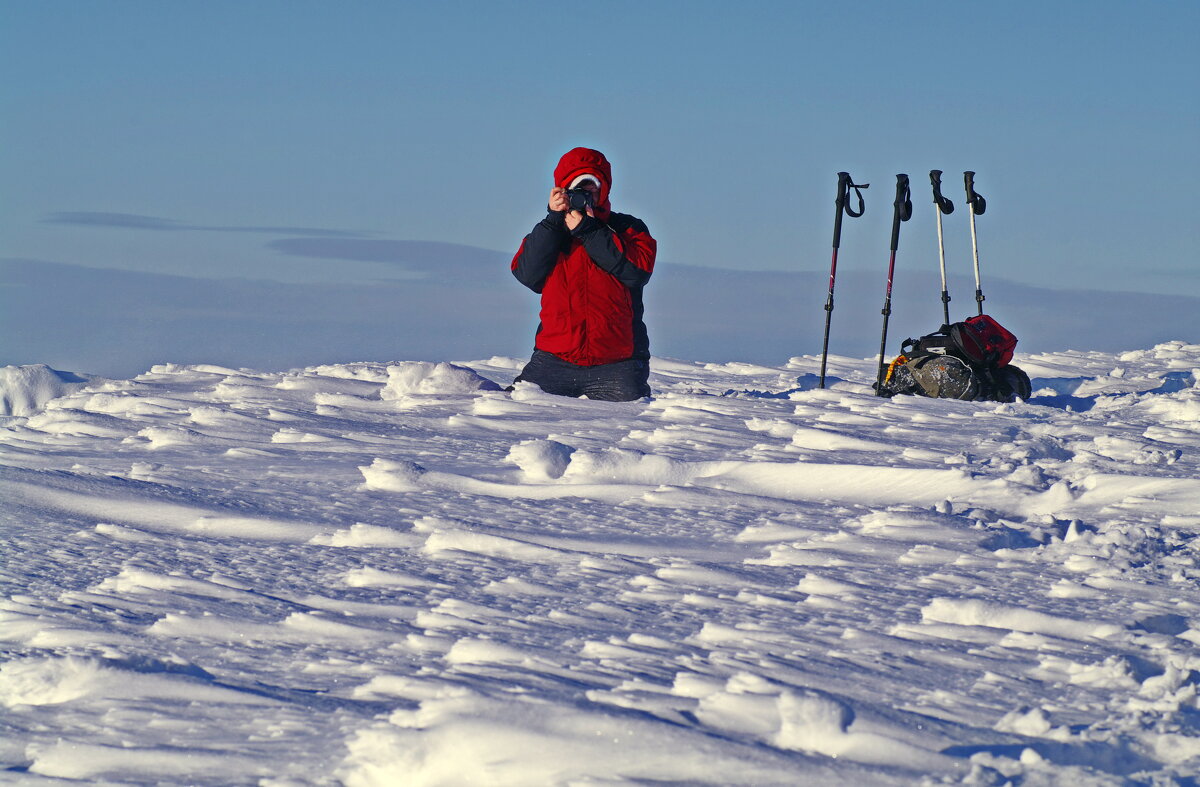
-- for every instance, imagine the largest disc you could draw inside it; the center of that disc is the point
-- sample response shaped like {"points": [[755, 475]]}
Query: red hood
{"points": [[585, 161]]}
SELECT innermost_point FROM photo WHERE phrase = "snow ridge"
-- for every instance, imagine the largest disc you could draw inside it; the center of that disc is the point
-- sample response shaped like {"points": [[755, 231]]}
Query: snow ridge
{"points": [[25, 389]]}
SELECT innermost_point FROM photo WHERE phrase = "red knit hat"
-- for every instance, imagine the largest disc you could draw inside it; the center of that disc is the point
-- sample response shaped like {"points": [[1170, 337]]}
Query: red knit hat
{"points": [[585, 161]]}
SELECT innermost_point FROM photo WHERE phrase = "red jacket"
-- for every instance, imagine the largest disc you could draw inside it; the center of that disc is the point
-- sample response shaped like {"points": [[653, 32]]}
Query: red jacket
{"points": [[590, 278]]}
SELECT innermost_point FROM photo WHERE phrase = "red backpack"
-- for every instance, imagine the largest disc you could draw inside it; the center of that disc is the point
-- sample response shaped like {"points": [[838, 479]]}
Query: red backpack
{"points": [[980, 341], [983, 340]]}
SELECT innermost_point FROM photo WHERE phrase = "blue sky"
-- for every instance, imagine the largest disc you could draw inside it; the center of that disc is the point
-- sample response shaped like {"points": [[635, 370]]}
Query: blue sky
{"points": [[224, 127]]}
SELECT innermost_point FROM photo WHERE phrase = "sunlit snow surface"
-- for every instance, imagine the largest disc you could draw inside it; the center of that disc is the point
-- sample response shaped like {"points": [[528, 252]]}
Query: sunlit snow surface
{"points": [[396, 574]]}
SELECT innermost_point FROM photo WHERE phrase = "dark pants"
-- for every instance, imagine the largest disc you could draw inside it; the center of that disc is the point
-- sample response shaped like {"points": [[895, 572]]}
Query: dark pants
{"points": [[622, 381]]}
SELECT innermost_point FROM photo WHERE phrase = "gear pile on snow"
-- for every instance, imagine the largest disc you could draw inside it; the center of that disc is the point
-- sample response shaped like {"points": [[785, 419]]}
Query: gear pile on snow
{"points": [[963, 360]]}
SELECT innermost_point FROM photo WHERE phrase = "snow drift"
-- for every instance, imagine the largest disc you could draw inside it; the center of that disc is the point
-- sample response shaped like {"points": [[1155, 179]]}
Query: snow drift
{"points": [[24, 389]]}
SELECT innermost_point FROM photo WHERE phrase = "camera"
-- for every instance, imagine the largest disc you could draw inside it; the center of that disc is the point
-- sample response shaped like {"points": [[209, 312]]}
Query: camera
{"points": [[580, 200]]}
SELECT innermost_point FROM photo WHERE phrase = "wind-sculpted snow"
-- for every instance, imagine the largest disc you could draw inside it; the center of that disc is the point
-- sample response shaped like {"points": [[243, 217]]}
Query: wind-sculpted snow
{"points": [[24, 389], [416, 377], [401, 574]]}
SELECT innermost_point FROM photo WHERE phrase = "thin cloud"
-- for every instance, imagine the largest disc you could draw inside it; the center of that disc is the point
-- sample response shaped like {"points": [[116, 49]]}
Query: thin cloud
{"points": [[133, 221], [431, 256], [1181, 273]]}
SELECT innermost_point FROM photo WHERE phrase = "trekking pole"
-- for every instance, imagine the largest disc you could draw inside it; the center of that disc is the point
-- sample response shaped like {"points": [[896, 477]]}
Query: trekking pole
{"points": [[842, 205], [976, 205], [942, 205], [902, 211]]}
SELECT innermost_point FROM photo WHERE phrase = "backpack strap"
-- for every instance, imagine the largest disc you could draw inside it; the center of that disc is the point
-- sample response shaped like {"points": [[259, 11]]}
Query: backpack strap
{"points": [[929, 343]]}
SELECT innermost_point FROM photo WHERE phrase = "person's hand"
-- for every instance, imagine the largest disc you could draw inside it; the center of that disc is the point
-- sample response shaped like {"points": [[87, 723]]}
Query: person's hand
{"points": [[574, 217], [558, 199]]}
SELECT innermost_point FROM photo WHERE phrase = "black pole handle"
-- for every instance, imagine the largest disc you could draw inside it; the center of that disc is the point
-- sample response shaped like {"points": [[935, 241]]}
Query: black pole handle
{"points": [[974, 199], [845, 183], [902, 208], [944, 204]]}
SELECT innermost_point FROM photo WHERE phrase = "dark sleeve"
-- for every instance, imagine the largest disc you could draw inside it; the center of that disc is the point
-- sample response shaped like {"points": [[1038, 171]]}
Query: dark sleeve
{"points": [[626, 251], [540, 251]]}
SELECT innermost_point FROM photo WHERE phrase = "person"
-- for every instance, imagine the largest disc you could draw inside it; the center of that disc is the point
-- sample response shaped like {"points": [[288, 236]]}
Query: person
{"points": [[589, 264]]}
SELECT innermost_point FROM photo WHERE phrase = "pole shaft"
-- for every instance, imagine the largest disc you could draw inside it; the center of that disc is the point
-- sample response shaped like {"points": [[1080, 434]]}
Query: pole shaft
{"points": [[901, 212], [975, 253], [976, 204], [887, 313], [942, 205], [839, 206], [829, 306], [942, 263]]}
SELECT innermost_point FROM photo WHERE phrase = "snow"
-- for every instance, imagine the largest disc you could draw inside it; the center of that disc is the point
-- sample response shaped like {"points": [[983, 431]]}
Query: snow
{"points": [[25, 389], [376, 573]]}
